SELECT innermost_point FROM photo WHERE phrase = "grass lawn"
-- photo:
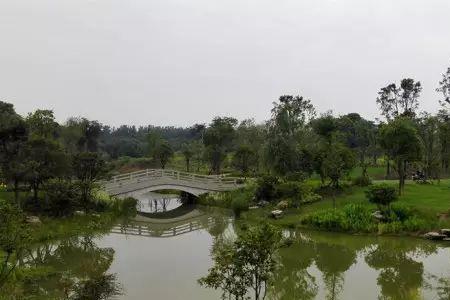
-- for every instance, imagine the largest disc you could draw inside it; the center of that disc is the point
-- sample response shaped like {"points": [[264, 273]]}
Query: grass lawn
{"points": [[430, 199]]}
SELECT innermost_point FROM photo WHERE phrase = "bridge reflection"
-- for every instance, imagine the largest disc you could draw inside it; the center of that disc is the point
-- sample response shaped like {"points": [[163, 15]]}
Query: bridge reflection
{"points": [[182, 220]]}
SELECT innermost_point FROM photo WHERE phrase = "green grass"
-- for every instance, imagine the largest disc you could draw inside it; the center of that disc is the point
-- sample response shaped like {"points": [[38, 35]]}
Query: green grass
{"points": [[428, 199]]}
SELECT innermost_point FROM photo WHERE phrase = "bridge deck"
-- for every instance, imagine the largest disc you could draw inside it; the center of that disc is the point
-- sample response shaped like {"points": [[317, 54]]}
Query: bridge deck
{"points": [[168, 179]]}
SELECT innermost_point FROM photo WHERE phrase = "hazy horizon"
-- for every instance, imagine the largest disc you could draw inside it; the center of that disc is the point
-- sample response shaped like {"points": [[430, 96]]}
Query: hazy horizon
{"points": [[172, 62]]}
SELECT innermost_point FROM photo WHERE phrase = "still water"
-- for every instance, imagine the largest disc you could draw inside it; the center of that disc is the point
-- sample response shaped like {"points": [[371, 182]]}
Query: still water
{"points": [[158, 259]]}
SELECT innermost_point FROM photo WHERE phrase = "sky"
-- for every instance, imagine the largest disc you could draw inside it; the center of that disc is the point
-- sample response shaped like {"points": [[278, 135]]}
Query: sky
{"points": [[180, 62]]}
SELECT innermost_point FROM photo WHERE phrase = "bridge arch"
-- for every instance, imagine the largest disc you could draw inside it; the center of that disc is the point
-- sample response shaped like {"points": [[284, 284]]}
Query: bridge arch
{"points": [[140, 182]]}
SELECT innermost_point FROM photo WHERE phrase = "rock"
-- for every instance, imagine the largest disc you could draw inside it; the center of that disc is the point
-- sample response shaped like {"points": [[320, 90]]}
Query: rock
{"points": [[436, 236], [276, 213], [33, 220], [445, 231], [283, 205], [378, 215], [262, 203], [253, 207], [96, 216], [446, 239], [79, 213]]}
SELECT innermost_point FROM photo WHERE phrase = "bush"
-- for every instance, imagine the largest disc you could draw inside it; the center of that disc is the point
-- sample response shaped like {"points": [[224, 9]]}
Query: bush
{"points": [[311, 198], [238, 205], [124, 207], [382, 194], [267, 188], [62, 198], [362, 181]]}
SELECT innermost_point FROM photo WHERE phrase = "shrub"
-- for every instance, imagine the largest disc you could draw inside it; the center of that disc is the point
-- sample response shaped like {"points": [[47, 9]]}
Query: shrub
{"points": [[311, 198], [362, 181], [238, 205], [382, 194], [267, 188], [62, 198], [124, 207], [357, 218]]}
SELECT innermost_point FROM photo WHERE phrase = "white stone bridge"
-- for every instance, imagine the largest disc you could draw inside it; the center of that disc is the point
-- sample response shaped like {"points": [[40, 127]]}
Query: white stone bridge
{"points": [[141, 182]]}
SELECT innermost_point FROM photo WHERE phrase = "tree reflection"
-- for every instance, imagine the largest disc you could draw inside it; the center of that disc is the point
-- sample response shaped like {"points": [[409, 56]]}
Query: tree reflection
{"points": [[293, 281], [333, 261], [401, 277], [64, 269]]}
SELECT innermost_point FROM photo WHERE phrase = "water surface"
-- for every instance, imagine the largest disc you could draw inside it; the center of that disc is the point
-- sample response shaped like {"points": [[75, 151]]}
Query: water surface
{"points": [[160, 259]]}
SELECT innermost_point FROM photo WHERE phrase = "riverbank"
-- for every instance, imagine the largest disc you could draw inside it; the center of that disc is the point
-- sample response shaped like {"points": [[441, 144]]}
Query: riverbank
{"points": [[421, 208]]}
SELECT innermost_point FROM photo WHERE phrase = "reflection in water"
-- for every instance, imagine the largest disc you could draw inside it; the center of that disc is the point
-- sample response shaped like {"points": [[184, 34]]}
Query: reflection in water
{"points": [[318, 265], [156, 203], [64, 270]]}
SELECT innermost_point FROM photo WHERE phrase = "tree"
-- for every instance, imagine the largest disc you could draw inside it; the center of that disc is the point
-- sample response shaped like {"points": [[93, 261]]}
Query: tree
{"points": [[218, 139], [399, 101], [428, 129], [285, 147], [444, 88], [360, 136], [400, 138], [14, 239], [42, 124], [88, 167], [45, 159], [163, 153], [247, 263], [337, 162], [13, 136], [188, 153], [244, 158]]}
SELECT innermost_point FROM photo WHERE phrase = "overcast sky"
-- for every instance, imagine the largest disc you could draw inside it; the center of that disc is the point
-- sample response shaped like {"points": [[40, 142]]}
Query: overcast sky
{"points": [[179, 62]]}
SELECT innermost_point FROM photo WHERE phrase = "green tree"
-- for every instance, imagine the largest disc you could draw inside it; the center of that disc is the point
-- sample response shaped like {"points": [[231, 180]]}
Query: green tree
{"points": [[285, 147], [188, 153], [14, 239], [13, 136], [163, 153], [338, 161], [45, 159], [400, 138], [400, 101], [42, 124], [88, 167], [218, 140], [244, 159], [247, 264], [428, 129], [444, 88]]}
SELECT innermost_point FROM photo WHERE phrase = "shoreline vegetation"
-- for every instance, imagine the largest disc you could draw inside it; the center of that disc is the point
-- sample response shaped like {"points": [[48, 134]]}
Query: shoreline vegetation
{"points": [[421, 209]]}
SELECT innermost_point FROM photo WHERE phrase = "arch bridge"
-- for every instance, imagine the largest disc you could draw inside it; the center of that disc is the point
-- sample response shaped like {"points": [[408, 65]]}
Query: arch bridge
{"points": [[141, 182]]}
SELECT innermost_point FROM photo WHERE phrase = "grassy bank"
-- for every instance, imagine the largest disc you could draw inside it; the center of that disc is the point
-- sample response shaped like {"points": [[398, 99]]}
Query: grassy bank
{"points": [[422, 207]]}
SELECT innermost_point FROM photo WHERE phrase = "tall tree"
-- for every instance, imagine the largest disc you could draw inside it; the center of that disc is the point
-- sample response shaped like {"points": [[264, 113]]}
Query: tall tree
{"points": [[13, 136], [428, 129], [285, 146], [88, 167], [45, 159], [444, 88], [244, 159], [188, 153], [218, 140], [401, 139], [42, 124], [403, 100], [163, 153]]}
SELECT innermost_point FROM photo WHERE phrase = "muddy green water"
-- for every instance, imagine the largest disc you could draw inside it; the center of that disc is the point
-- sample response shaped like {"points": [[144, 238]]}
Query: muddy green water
{"points": [[160, 260]]}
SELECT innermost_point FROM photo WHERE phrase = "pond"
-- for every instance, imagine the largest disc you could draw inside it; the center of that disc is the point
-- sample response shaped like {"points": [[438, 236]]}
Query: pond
{"points": [[162, 258]]}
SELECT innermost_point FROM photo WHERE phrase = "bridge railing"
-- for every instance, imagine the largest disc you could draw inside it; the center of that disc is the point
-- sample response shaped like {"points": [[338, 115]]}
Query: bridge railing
{"points": [[149, 174]]}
